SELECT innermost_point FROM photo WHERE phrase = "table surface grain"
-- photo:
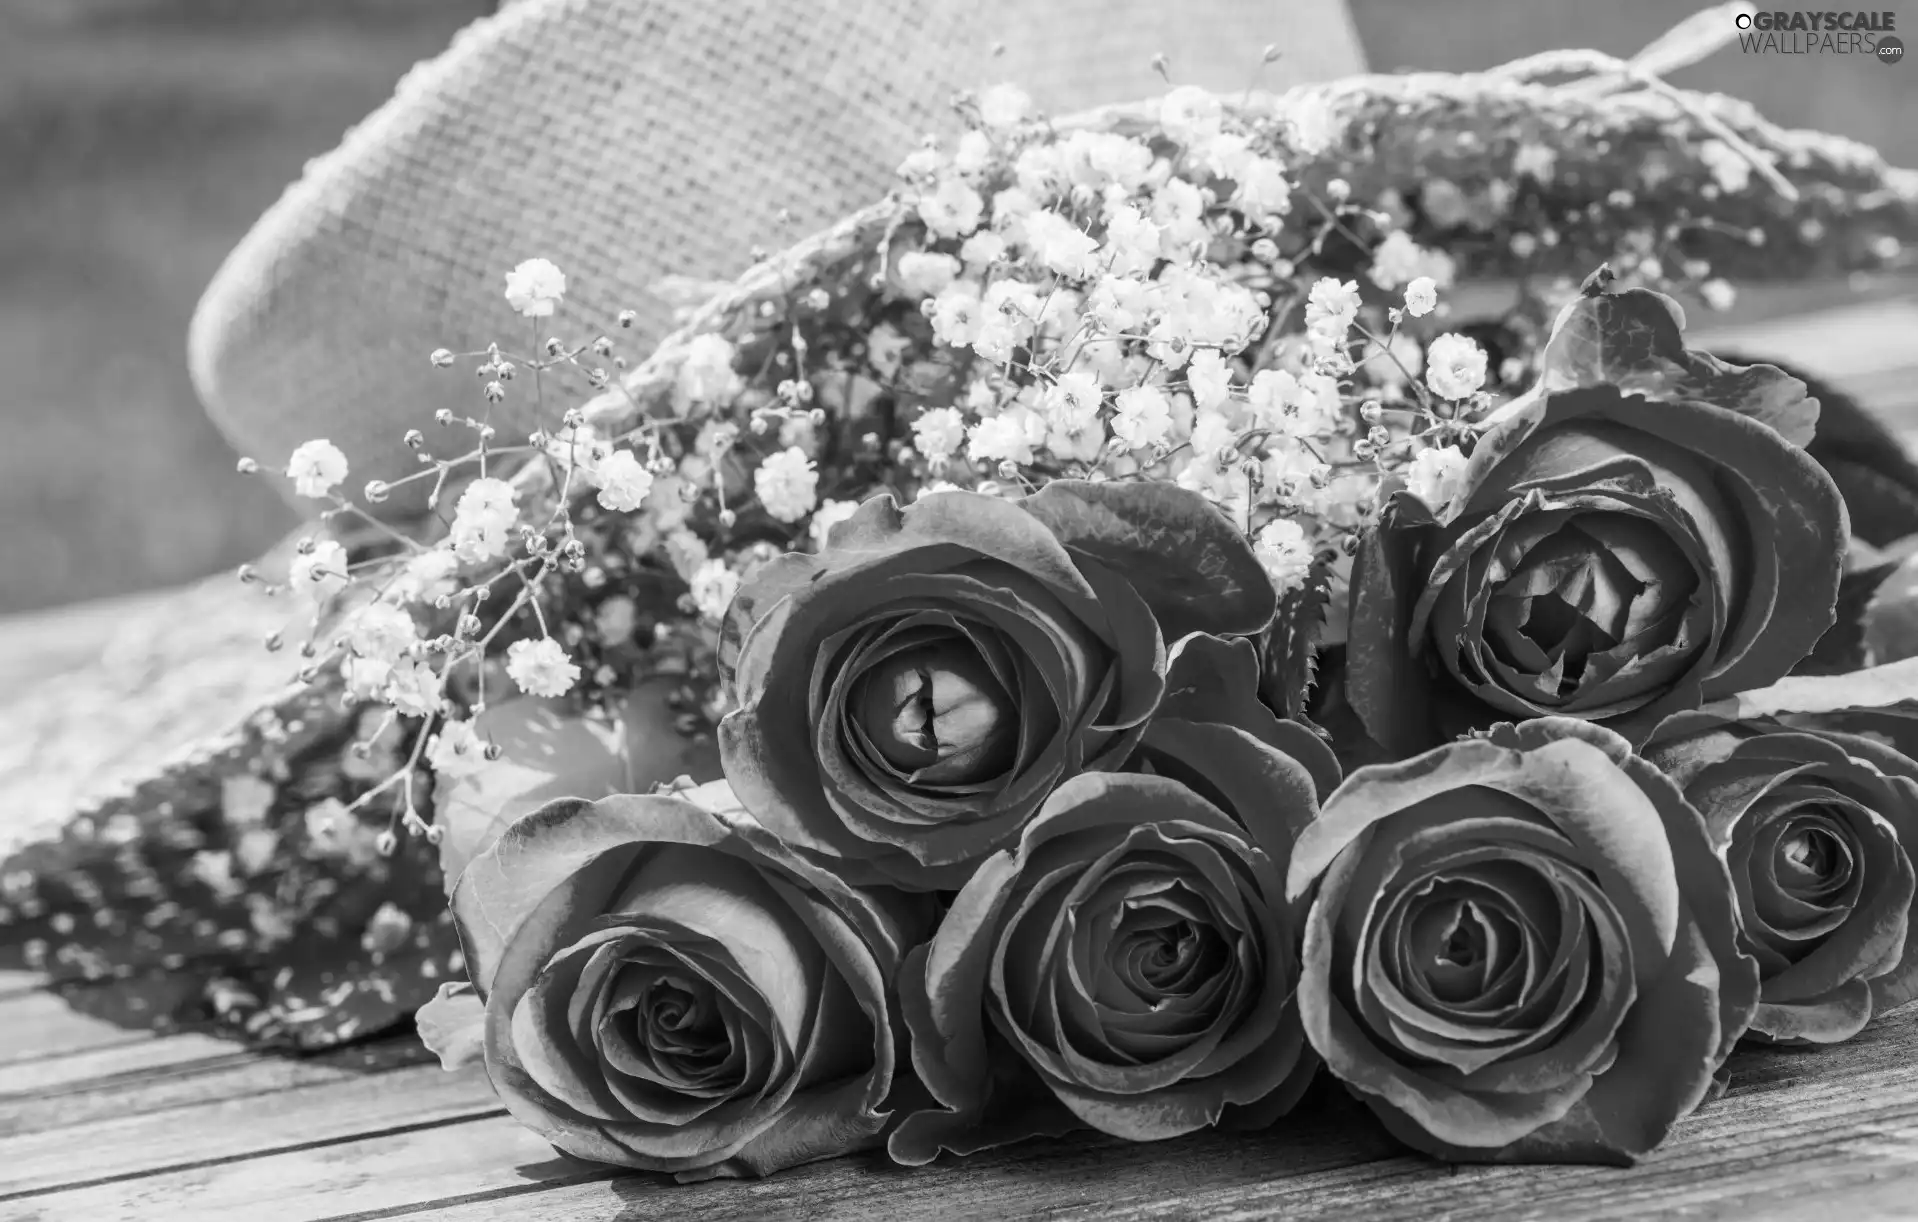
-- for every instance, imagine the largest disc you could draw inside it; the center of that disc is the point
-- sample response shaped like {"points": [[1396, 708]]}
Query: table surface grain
{"points": [[101, 1124]]}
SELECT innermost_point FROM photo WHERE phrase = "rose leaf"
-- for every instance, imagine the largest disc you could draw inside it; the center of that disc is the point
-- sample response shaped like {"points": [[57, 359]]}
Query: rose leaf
{"points": [[1889, 624], [1635, 340], [1188, 562], [1291, 652], [547, 753], [1875, 687], [544, 754], [453, 1025]]}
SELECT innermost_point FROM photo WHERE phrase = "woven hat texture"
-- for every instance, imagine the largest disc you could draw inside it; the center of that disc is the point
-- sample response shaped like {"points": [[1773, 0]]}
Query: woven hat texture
{"points": [[627, 140]]}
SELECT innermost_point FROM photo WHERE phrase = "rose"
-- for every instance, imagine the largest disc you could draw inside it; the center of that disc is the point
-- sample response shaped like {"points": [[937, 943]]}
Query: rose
{"points": [[910, 695], [666, 986], [1638, 534], [1520, 948], [1129, 964], [1817, 820]]}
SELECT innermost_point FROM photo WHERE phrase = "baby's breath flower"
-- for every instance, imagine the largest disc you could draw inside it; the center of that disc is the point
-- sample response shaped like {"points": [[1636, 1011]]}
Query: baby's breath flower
{"points": [[1264, 193], [957, 315], [1286, 554], [483, 520], [1073, 395], [1059, 245], [380, 630], [579, 448], [624, 482], [540, 668], [1399, 260], [1143, 417], [1209, 379], [456, 749], [415, 688], [535, 288], [424, 577], [939, 432], [1315, 127], [787, 484], [365, 677], [1434, 476], [972, 153], [1004, 106], [319, 573], [1334, 302], [316, 468], [952, 209], [1454, 366], [925, 273], [713, 586], [828, 515], [1718, 294], [1179, 209], [982, 249], [1421, 296], [1190, 115], [707, 375], [1010, 436]]}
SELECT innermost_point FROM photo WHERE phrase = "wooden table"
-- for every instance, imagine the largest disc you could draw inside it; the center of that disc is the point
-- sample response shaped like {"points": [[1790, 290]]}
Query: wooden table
{"points": [[101, 1125], [98, 1123]]}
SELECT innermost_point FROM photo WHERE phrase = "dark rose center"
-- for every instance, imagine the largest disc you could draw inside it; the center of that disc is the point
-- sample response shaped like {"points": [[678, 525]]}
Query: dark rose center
{"points": [[1813, 860], [937, 713], [679, 1023], [1598, 582], [1458, 947], [1172, 958]]}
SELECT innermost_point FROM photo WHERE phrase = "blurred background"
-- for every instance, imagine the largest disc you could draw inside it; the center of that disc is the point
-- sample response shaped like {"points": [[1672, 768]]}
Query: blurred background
{"points": [[139, 139]]}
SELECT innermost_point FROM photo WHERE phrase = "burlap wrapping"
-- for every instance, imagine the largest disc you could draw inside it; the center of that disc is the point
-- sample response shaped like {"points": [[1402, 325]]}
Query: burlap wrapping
{"points": [[631, 139]]}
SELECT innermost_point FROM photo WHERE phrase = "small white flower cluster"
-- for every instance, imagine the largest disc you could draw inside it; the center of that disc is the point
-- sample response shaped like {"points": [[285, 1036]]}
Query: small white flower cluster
{"points": [[1100, 280], [502, 536]]}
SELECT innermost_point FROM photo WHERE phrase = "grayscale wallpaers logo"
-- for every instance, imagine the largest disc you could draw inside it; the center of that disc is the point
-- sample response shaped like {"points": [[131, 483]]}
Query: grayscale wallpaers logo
{"points": [[1802, 32]]}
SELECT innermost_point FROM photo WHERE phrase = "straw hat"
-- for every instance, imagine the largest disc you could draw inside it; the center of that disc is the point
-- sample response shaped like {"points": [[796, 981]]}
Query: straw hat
{"points": [[628, 140]]}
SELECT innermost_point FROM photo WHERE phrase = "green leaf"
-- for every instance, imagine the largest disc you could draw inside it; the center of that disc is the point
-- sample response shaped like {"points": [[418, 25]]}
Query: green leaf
{"points": [[547, 752], [1889, 625], [1635, 340], [1291, 653], [1875, 687], [1190, 564]]}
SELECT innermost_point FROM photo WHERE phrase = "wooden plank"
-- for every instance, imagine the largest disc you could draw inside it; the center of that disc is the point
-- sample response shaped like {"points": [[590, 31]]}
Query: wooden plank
{"points": [[115, 1060], [1814, 1134], [384, 1171], [121, 1147], [234, 1075], [36, 1025]]}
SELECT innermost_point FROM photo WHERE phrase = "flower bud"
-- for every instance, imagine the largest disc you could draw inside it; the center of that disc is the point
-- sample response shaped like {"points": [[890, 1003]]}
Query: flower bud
{"points": [[442, 358], [937, 713]]}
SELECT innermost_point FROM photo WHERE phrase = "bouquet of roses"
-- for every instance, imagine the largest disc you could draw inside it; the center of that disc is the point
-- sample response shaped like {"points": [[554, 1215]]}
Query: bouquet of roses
{"points": [[1148, 659], [1013, 840]]}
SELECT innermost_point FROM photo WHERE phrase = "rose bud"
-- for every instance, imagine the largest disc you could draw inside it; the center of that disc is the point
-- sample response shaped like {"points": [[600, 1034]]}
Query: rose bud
{"points": [[1520, 948], [909, 695], [936, 712], [1818, 816]]}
